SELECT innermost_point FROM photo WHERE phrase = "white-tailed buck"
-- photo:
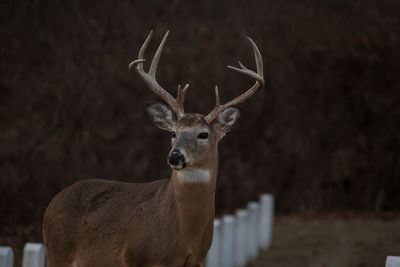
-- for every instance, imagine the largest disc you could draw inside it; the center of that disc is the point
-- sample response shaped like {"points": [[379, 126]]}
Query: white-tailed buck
{"points": [[163, 223]]}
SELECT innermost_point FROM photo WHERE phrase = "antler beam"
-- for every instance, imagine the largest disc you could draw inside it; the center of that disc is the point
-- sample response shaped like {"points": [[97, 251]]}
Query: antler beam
{"points": [[258, 76], [150, 78]]}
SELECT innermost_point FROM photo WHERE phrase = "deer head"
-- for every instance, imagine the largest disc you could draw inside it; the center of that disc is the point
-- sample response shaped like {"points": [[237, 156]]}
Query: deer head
{"points": [[194, 136]]}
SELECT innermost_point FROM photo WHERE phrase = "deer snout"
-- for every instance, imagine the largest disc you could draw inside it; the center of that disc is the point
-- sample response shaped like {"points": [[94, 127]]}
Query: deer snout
{"points": [[176, 159]]}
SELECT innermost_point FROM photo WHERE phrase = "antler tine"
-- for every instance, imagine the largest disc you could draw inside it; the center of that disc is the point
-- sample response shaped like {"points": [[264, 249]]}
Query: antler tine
{"points": [[139, 62], [149, 78], [156, 58], [258, 76], [181, 98], [257, 56], [217, 109], [217, 102]]}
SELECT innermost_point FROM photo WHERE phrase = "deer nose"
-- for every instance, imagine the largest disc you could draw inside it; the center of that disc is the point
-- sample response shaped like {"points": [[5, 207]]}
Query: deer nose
{"points": [[176, 157]]}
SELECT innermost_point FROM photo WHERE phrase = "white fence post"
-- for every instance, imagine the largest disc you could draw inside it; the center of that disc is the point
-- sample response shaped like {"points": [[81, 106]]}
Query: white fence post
{"points": [[6, 257], [33, 255], [392, 261], [228, 241], [266, 220], [252, 243], [214, 254], [240, 257]]}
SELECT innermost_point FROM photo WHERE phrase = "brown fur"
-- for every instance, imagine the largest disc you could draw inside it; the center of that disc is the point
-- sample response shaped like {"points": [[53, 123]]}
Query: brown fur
{"points": [[163, 223]]}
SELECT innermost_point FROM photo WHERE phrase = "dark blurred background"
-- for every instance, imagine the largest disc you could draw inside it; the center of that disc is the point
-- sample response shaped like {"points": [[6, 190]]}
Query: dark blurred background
{"points": [[323, 135]]}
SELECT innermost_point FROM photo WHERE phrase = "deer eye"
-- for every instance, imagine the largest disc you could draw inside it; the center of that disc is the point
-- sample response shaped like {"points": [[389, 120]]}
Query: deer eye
{"points": [[202, 136], [173, 134]]}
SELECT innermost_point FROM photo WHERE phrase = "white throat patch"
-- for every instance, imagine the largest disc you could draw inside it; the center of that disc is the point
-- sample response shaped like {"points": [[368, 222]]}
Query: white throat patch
{"points": [[194, 176]]}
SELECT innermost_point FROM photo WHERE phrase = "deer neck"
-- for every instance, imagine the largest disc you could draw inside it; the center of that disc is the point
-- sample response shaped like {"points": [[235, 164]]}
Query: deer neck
{"points": [[194, 196]]}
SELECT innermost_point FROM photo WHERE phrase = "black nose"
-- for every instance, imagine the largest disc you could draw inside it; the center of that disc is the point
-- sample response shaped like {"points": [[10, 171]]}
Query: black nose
{"points": [[175, 157]]}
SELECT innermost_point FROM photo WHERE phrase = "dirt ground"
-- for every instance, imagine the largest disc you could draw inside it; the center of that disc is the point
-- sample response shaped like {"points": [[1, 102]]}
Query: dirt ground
{"points": [[332, 243]]}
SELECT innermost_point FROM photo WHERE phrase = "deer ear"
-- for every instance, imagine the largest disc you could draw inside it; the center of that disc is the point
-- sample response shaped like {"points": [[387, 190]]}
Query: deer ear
{"points": [[227, 119], [161, 115]]}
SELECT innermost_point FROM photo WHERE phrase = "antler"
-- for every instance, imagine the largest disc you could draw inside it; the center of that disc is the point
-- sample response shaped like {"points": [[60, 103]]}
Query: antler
{"points": [[258, 76], [150, 78]]}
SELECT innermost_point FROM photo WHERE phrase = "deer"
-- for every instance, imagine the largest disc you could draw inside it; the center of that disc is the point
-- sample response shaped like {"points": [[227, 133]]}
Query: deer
{"points": [[167, 222]]}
